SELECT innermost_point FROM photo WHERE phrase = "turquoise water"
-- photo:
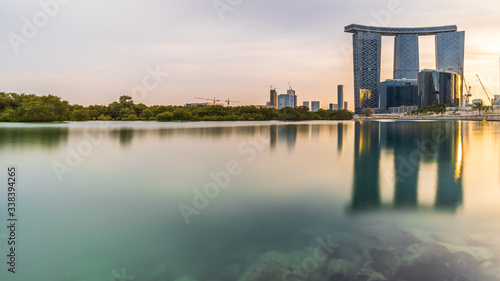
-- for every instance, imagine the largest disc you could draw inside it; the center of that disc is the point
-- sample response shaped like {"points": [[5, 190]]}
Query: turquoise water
{"points": [[163, 201]]}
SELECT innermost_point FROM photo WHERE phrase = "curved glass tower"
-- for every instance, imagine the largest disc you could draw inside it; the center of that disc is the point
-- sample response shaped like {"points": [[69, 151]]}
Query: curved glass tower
{"points": [[367, 55]]}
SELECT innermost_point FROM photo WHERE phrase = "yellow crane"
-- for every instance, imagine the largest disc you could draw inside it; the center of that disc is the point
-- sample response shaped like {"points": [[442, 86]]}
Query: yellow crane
{"points": [[484, 88], [467, 85]]}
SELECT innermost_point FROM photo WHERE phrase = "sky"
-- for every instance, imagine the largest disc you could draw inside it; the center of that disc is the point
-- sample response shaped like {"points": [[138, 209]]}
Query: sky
{"points": [[168, 52]]}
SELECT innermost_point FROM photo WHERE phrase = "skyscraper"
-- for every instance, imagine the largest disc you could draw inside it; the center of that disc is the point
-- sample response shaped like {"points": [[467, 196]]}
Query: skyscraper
{"points": [[367, 52], [340, 97], [406, 57], [449, 50], [314, 106], [367, 56], [435, 87], [287, 100], [273, 99]]}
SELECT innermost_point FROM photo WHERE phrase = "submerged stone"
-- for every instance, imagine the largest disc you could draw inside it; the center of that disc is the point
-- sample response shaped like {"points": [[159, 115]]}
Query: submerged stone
{"points": [[340, 270], [385, 260], [436, 262]]}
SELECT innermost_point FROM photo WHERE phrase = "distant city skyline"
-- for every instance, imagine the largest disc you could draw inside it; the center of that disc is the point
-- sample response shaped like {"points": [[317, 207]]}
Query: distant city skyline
{"points": [[170, 52]]}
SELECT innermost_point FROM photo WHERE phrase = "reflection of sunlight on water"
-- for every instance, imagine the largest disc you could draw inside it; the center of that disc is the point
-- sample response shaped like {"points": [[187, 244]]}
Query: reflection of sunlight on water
{"points": [[427, 184], [481, 170], [387, 180], [459, 152]]}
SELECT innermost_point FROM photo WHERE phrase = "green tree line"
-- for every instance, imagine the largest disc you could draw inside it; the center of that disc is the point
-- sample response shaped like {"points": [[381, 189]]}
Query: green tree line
{"points": [[33, 108]]}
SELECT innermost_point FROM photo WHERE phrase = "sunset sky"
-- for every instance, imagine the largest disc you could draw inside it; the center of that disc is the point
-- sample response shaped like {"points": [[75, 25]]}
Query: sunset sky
{"points": [[91, 52]]}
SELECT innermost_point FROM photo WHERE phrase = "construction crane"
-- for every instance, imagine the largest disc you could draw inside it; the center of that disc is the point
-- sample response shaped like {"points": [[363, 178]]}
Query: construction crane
{"points": [[467, 87], [272, 87], [289, 87], [214, 100], [484, 88], [230, 101]]}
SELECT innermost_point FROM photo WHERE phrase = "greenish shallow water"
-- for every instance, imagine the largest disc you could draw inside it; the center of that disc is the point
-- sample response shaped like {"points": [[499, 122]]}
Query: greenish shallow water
{"points": [[98, 198]]}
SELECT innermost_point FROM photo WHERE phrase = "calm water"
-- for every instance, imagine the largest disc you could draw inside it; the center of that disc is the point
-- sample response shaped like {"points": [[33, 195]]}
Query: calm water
{"points": [[98, 198]]}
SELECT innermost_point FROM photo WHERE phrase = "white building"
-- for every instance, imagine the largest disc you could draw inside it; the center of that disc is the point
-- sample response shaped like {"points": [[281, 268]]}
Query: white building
{"points": [[477, 101], [314, 106], [306, 104], [287, 100]]}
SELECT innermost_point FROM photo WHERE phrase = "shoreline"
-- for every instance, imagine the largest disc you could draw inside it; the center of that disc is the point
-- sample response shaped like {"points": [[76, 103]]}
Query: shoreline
{"points": [[434, 118]]}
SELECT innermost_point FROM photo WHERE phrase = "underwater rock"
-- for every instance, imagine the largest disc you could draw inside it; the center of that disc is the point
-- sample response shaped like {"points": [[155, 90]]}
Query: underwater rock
{"points": [[369, 275], [340, 270], [489, 268], [385, 260], [436, 262], [285, 266], [479, 253]]}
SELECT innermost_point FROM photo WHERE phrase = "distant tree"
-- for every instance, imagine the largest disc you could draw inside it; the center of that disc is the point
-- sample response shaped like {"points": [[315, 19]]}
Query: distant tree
{"points": [[479, 106], [126, 99], [43, 109], [368, 112], [103, 117], [114, 110], [290, 114], [80, 115], [146, 114], [165, 117], [9, 115], [31, 108]]}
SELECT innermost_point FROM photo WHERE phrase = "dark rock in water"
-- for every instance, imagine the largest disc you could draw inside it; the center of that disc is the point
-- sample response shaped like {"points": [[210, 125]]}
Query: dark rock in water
{"points": [[340, 270], [435, 262], [385, 260]]}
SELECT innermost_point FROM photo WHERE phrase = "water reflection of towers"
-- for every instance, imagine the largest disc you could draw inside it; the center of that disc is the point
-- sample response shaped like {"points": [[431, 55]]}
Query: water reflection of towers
{"points": [[283, 133], [412, 143]]}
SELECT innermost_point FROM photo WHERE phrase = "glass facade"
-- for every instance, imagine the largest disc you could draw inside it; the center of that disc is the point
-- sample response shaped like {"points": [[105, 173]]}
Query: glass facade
{"points": [[367, 52], [367, 57], [396, 93], [406, 57], [435, 87], [449, 49]]}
